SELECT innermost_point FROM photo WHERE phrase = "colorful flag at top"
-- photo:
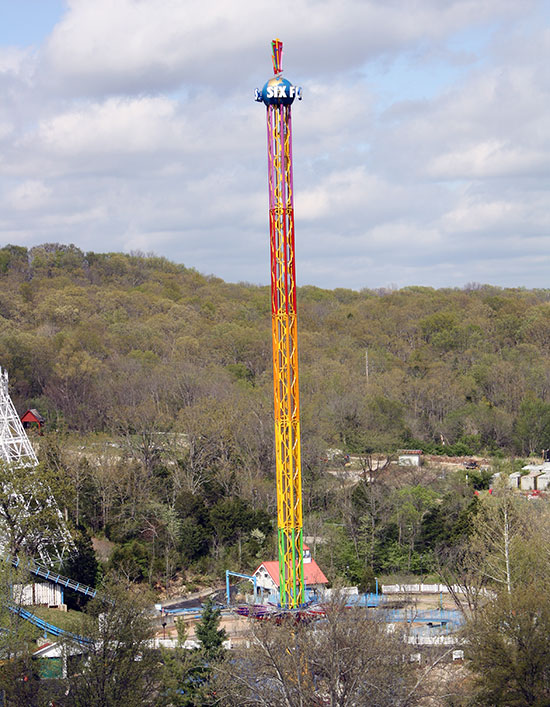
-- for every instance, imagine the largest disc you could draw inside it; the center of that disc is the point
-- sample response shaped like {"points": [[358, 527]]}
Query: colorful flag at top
{"points": [[277, 51]]}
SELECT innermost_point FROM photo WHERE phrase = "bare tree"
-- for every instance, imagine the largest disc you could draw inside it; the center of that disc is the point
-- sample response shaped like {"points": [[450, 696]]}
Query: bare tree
{"points": [[497, 553], [500, 527], [117, 665], [349, 657], [459, 569], [371, 464]]}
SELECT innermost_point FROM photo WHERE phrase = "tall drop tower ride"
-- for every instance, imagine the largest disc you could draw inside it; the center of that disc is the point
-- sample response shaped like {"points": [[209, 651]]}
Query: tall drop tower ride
{"points": [[278, 94]]}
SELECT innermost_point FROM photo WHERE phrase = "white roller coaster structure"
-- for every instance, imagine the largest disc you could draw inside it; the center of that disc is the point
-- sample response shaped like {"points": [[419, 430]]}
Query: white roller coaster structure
{"points": [[17, 452]]}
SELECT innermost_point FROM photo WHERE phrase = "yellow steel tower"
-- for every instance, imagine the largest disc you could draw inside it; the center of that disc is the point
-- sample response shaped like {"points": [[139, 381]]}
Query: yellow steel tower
{"points": [[278, 95]]}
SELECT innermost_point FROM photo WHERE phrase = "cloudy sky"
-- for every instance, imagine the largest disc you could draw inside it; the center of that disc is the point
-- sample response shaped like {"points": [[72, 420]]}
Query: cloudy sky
{"points": [[421, 148]]}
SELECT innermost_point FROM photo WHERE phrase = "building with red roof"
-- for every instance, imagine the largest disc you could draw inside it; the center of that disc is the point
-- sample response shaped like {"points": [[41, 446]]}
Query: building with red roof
{"points": [[267, 574], [32, 416]]}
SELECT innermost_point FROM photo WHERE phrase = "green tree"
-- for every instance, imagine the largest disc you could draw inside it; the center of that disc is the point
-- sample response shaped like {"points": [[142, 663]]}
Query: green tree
{"points": [[118, 665], [500, 528], [506, 632], [82, 566], [29, 521], [532, 427], [412, 503], [508, 650], [186, 674], [131, 560], [210, 636]]}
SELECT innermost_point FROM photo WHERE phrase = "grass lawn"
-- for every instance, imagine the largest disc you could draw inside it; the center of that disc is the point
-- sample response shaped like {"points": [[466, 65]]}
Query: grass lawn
{"points": [[67, 620]]}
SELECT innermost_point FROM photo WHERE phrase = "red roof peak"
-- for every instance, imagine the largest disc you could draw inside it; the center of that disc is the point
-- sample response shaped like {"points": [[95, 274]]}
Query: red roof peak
{"points": [[313, 574]]}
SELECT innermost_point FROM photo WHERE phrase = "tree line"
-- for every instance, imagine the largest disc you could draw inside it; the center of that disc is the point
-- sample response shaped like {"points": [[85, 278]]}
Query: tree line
{"points": [[117, 342], [156, 385]]}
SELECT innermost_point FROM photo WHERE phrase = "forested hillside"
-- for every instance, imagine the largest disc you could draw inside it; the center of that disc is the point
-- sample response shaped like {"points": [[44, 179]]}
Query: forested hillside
{"points": [[110, 341], [156, 385]]}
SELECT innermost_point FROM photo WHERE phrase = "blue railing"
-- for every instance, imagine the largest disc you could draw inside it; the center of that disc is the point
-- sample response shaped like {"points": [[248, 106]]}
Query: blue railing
{"points": [[51, 576], [366, 600], [45, 626], [436, 617], [197, 610]]}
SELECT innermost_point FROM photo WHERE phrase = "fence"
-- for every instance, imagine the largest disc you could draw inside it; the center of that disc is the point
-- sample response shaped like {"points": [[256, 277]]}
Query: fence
{"points": [[430, 589], [419, 589]]}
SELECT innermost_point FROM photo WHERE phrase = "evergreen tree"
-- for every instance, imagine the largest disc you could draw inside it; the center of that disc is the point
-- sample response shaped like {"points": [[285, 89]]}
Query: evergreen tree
{"points": [[81, 566], [210, 636], [185, 675]]}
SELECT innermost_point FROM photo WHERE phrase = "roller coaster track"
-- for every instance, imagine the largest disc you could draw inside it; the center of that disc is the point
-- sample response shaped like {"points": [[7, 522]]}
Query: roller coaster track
{"points": [[52, 576], [45, 626]]}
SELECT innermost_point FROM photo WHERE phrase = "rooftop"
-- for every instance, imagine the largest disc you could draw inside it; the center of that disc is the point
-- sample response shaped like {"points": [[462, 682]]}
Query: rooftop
{"points": [[313, 574]]}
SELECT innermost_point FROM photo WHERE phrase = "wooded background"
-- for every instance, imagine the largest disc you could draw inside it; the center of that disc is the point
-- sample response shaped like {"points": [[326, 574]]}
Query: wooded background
{"points": [[156, 384]]}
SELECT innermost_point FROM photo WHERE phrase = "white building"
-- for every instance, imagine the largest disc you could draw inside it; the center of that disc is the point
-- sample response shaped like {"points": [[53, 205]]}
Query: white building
{"points": [[532, 481], [529, 481], [514, 480], [410, 457], [267, 575]]}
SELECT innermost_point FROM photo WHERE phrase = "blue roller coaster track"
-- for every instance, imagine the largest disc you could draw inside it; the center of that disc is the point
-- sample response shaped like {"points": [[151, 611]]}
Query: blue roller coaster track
{"points": [[52, 576], [47, 627]]}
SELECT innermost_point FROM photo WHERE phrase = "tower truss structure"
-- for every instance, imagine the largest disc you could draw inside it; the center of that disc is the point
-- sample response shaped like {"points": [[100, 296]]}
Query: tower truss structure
{"points": [[16, 452], [278, 95], [15, 447]]}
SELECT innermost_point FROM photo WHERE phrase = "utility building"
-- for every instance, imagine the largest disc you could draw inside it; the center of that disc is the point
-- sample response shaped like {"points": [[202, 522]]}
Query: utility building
{"points": [[267, 575], [33, 417]]}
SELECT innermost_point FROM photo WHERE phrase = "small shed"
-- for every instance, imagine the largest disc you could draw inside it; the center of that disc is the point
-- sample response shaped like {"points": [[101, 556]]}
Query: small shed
{"points": [[33, 417], [57, 660], [39, 594], [410, 457], [514, 480], [543, 481], [529, 481]]}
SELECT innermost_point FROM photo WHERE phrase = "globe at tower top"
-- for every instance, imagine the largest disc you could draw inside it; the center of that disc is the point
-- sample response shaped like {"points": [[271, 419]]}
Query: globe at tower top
{"points": [[277, 90]]}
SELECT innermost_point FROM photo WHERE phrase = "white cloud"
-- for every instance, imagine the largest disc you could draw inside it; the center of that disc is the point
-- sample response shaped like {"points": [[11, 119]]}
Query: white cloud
{"points": [[489, 158], [29, 195], [11, 60], [134, 127], [116, 125], [132, 44], [6, 129]]}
